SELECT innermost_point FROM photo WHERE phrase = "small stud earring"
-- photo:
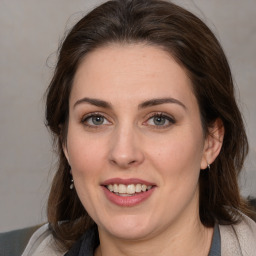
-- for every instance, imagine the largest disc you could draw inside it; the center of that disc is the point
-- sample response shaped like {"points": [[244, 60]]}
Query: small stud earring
{"points": [[72, 184], [209, 167]]}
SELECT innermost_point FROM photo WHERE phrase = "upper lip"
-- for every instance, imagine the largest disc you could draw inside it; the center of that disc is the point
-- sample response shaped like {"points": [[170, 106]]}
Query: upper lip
{"points": [[126, 181]]}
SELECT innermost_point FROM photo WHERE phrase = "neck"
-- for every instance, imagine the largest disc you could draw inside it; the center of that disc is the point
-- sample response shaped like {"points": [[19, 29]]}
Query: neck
{"points": [[190, 239]]}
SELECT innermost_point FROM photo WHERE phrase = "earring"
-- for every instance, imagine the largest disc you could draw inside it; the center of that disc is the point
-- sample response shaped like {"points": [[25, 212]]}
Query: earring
{"points": [[72, 181], [72, 184], [209, 167]]}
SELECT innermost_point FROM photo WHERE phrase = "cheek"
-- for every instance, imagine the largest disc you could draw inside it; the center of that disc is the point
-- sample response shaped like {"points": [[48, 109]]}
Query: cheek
{"points": [[86, 160], [177, 156], [86, 154]]}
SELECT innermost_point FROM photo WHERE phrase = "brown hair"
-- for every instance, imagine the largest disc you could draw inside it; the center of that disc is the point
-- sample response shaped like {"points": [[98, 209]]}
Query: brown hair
{"points": [[195, 47]]}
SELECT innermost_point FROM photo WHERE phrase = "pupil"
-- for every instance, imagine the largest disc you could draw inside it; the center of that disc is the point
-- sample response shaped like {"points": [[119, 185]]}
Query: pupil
{"points": [[159, 120], [97, 120]]}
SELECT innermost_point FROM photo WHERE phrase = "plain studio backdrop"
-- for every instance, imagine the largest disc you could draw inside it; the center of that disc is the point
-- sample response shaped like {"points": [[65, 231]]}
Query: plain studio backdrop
{"points": [[30, 33]]}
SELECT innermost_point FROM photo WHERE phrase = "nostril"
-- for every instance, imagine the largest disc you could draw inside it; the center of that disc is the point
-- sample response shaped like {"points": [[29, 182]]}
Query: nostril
{"points": [[113, 161], [132, 162], [123, 163]]}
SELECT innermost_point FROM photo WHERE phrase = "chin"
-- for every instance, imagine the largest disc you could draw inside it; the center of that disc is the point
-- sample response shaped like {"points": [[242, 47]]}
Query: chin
{"points": [[129, 227], [126, 233]]}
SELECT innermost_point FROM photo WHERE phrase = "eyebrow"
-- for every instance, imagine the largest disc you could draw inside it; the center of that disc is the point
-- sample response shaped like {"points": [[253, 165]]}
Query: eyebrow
{"points": [[95, 102], [145, 104], [155, 102]]}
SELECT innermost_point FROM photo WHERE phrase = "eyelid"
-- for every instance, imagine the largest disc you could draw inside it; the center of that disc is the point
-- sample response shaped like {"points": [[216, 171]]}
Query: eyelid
{"points": [[169, 117], [94, 114]]}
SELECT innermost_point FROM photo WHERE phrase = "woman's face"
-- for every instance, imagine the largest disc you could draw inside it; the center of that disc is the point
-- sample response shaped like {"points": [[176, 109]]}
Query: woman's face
{"points": [[134, 127]]}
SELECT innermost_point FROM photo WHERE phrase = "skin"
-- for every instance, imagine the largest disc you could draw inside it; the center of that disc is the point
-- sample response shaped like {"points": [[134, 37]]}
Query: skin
{"points": [[128, 142]]}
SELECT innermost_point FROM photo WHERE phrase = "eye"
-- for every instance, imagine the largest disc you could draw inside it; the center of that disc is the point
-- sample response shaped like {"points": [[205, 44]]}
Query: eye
{"points": [[95, 120], [160, 120]]}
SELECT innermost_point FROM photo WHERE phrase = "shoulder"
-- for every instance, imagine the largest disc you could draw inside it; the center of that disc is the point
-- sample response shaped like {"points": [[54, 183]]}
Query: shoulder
{"points": [[32, 241], [14, 242], [42, 243], [238, 239]]}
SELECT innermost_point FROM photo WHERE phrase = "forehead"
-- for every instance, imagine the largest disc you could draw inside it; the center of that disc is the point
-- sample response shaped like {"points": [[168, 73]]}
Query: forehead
{"points": [[131, 70]]}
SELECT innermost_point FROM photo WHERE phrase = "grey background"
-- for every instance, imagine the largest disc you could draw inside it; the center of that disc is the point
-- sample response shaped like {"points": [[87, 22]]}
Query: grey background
{"points": [[30, 32]]}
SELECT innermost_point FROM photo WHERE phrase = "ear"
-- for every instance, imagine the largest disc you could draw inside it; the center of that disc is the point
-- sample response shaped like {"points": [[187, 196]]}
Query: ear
{"points": [[213, 143], [63, 142], [65, 150]]}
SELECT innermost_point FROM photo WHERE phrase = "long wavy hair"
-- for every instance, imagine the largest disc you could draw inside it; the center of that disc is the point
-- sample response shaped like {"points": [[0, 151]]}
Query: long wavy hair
{"points": [[194, 47]]}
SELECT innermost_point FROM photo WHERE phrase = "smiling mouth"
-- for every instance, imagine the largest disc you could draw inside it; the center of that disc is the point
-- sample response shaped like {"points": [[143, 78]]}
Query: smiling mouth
{"points": [[128, 190]]}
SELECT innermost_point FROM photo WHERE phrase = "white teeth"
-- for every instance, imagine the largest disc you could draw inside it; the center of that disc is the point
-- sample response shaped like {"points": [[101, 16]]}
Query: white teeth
{"points": [[138, 188], [143, 188], [122, 189], [110, 188], [128, 189], [115, 188]]}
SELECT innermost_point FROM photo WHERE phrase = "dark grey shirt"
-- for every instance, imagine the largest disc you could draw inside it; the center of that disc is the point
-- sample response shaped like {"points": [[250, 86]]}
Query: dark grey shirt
{"points": [[90, 241], [215, 247]]}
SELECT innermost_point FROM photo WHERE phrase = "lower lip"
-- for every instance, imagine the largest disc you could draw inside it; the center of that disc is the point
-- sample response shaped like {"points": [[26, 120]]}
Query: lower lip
{"points": [[128, 201]]}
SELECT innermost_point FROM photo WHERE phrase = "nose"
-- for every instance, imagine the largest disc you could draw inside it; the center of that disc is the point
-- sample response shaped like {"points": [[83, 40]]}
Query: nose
{"points": [[125, 150]]}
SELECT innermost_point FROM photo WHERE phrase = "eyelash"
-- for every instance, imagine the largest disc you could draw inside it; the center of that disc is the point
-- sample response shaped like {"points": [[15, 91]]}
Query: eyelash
{"points": [[168, 118], [85, 119]]}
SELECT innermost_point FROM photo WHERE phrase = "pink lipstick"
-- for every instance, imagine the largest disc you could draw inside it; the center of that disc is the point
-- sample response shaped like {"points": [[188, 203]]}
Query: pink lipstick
{"points": [[127, 192]]}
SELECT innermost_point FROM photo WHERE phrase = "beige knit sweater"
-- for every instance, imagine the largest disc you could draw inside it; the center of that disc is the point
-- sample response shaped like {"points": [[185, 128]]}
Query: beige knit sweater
{"points": [[236, 240], [239, 239]]}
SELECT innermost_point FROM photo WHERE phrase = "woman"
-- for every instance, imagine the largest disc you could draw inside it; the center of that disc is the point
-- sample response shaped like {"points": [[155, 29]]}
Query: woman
{"points": [[150, 139]]}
